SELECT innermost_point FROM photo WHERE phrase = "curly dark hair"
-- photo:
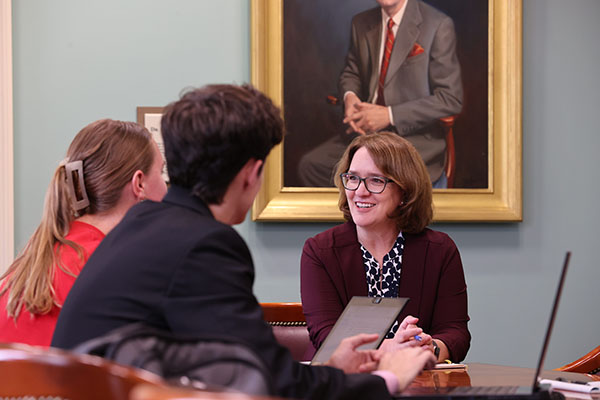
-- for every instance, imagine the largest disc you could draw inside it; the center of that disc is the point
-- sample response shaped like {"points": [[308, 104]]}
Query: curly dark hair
{"points": [[211, 132]]}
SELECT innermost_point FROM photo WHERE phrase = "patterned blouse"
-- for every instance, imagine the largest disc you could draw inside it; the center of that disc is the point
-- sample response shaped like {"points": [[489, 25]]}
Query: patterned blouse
{"points": [[388, 284]]}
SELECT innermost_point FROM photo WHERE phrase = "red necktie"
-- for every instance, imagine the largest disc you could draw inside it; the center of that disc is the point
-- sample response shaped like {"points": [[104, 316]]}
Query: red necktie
{"points": [[385, 61]]}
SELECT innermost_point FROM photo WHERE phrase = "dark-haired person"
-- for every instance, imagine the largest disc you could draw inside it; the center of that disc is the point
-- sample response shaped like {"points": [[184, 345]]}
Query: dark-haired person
{"points": [[178, 265], [110, 166], [385, 249]]}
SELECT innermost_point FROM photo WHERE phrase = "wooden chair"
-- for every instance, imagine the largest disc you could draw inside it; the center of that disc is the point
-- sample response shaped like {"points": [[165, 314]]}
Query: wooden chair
{"points": [[588, 364], [152, 392], [37, 372], [289, 326]]}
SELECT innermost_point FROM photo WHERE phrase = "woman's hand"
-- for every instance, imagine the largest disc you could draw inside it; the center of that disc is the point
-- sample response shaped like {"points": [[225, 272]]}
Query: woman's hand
{"points": [[408, 322], [426, 340], [408, 335]]}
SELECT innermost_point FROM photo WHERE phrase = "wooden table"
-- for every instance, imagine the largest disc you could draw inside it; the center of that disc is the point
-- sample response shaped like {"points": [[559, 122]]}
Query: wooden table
{"points": [[477, 374]]}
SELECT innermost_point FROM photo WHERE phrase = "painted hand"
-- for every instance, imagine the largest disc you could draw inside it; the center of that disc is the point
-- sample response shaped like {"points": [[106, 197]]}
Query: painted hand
{"points": [[351, 102], [369, 118]]}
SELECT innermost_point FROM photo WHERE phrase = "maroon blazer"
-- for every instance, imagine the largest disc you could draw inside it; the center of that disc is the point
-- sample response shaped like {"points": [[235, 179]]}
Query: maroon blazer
{"points": [[332, 271]]}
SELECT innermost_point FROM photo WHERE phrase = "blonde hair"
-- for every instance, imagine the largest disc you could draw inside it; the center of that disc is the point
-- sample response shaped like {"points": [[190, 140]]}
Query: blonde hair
{"points": [[110, 151], [398, 159]]}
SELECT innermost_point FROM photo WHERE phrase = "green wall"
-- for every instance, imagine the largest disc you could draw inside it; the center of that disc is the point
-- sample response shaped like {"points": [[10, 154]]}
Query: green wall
{"points": [[75, 62]]}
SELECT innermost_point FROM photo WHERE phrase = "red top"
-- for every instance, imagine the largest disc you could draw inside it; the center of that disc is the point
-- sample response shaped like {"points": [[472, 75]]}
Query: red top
{"points": [[38, 329]]}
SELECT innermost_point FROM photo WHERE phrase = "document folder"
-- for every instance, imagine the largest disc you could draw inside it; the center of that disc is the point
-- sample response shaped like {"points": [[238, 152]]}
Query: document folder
{"points": [[362, 315]]}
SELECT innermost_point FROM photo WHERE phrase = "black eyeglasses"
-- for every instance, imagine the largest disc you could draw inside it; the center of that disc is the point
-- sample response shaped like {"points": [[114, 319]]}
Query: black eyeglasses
{"points": [[374, 184]]}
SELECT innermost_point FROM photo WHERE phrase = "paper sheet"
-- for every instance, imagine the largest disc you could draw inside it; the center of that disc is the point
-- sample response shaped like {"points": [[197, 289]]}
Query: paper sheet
{"points": [[572, 387]]}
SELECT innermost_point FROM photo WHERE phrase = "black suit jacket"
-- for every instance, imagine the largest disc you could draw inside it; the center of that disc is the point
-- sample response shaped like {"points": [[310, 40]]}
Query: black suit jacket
{"points": [[173, 266]]}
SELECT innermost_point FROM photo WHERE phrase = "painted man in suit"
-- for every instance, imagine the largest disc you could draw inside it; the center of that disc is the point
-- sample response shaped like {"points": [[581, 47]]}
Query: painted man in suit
{"points": [[179, 266], [419, 83]]}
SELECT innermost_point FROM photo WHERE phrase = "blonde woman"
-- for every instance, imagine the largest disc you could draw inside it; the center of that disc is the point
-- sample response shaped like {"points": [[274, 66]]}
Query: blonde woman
{"points": [[110, 166]]}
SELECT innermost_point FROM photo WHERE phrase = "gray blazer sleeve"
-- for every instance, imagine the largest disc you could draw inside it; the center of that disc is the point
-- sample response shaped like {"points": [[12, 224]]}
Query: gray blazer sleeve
{"points": [[443, 78]]}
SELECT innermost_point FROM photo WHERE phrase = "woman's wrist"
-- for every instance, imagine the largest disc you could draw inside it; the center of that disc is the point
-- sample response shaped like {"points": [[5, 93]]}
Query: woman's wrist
{"points": [[444, 352]]}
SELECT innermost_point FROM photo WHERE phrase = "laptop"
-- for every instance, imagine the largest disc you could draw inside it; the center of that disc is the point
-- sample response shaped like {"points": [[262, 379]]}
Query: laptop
{"points": [[534, 392], [361, 315]]}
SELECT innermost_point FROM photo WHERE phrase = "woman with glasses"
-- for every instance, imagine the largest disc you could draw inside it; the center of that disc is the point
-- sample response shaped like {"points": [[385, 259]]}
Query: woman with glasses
{"points": [[386, 250], [110, 166]]}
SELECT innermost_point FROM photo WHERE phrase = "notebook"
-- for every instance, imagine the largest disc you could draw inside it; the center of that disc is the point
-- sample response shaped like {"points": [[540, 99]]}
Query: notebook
{"points": [[536, 391], [361, 315]]}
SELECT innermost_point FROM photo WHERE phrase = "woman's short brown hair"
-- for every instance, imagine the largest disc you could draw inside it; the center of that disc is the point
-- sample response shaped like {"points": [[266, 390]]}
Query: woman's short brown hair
{"points": [[399, 161]]}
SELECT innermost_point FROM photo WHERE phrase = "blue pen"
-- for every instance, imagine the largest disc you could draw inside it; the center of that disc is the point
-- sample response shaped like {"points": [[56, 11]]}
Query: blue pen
{"points": [[418, 338]]}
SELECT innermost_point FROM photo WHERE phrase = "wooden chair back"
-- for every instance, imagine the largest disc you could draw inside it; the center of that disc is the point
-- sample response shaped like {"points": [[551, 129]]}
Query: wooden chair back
{"points": [[289, 327], [588, 364], [152, 392], [37, 372]]}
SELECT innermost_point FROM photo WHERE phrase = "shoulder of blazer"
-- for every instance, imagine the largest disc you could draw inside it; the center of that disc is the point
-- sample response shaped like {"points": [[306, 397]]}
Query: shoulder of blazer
{"points": [[428, 235], [182, 197], [368, 17], [339, 236], [428, 12]]}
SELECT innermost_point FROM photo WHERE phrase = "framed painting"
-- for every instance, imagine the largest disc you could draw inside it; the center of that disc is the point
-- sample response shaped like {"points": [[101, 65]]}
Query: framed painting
{"points": [[298, 50], [150, 118]]}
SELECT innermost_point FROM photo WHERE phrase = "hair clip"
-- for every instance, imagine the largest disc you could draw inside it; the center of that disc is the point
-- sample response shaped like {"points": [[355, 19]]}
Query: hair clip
{"points": [[78, 197]]}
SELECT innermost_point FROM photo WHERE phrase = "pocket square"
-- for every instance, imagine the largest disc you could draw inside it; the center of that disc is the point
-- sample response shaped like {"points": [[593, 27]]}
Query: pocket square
{"points": [[416, 50]]}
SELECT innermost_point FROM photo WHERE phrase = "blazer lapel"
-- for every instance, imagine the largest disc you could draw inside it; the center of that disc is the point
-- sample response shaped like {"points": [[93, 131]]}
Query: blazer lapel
{"points": [[349, 258], [406, 36], [373, 37], [413, 269]]}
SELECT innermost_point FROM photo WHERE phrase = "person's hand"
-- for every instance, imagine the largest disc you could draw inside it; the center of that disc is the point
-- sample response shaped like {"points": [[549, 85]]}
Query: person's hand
{"points": [[409, 323], [351, 102], [425, 339], [368, 118], [350, 360], [407, 363], [405, 338]]}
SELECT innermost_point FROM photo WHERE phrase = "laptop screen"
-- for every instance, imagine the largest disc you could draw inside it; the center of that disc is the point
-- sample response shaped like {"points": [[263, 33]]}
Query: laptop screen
{"points": [[557, 296]]}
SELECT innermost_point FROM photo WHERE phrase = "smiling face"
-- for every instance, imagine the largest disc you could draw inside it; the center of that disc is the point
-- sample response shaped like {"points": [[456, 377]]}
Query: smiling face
{"points": [[370, 212]]}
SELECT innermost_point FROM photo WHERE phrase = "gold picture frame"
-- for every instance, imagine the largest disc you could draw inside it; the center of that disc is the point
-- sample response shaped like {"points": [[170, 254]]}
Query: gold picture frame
{"points": [[501, 201]]}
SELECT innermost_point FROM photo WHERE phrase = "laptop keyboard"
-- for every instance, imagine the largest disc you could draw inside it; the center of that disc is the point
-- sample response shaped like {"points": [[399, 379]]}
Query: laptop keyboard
{"points": [[480, 393]]}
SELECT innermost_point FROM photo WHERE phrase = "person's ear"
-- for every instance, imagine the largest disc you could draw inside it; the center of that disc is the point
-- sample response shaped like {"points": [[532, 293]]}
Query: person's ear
{"points": [[137, 185], [254, 171]]}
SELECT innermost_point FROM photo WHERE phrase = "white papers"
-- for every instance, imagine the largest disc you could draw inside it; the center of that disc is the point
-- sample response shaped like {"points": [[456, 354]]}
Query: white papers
{"points": [[591, 387]]}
